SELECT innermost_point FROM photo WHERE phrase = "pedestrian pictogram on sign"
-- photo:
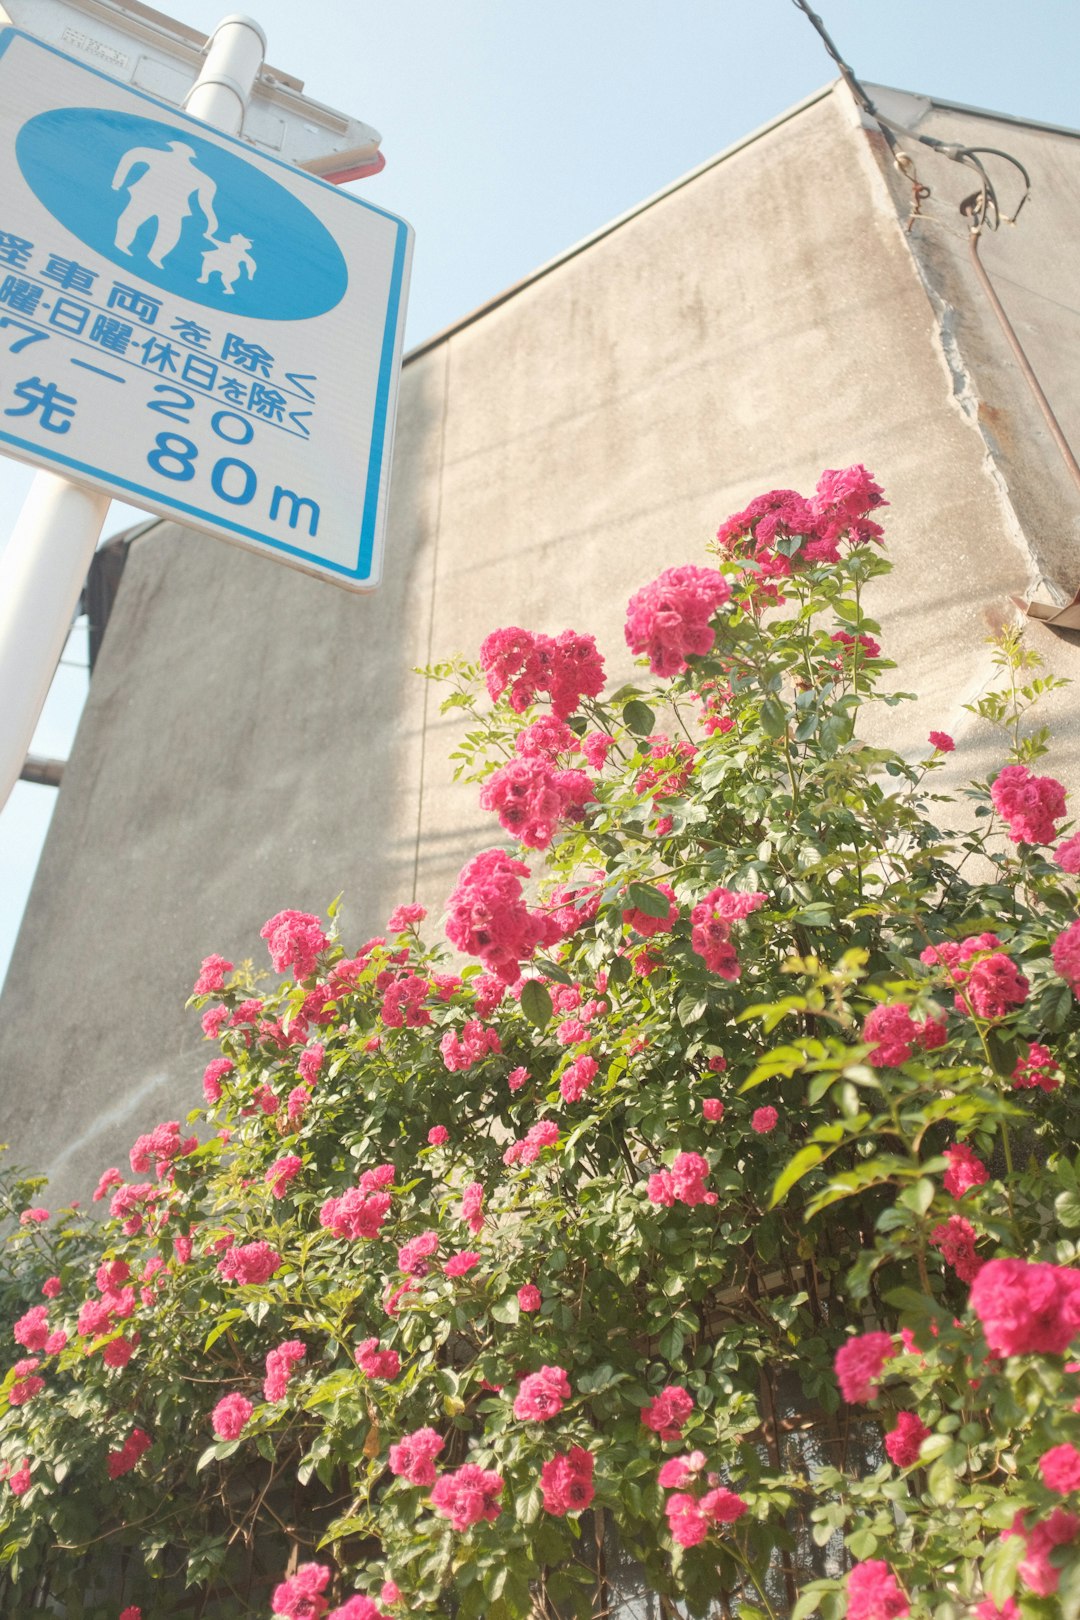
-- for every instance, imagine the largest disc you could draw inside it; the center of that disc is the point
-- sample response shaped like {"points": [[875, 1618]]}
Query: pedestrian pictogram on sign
{"points": [[196, 328]]}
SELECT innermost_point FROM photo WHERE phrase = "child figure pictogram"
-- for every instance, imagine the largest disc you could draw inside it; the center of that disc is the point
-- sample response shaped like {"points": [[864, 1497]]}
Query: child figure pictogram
{"points": [[227, 260]]}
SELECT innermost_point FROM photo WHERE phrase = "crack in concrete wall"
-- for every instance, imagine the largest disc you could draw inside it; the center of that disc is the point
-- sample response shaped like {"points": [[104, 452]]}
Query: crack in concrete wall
{"points": [[966, 397], [963, 388]]}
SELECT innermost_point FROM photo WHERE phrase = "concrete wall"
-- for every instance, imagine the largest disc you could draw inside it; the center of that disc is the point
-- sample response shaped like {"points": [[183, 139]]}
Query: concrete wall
{"points": [[1032, 265], [956, 582], [254, 739]]}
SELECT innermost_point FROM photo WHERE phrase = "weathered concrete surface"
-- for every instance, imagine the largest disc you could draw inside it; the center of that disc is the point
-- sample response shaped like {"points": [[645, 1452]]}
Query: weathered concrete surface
{"points": [[1033, 268], [230, 763], [255, 740], [1032, 265]]}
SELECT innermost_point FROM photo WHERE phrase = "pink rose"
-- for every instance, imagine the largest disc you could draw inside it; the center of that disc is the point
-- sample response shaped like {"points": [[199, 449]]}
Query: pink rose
{"points": [[541, 1395], [859, 1364], [230, 1416]]}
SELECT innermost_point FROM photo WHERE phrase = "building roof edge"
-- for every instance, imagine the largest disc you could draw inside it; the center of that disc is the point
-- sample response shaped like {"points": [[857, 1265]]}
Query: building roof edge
{"points": [[974, 112], [615, 224], [798, 107], [744, 141]]}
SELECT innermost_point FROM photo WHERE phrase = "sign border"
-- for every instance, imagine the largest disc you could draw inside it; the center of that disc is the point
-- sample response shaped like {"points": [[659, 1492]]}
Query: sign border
{"points": [[381, 440]]}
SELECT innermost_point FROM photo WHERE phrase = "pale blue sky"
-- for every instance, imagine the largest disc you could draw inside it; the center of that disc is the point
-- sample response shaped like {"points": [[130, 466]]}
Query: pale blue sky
{"points": [[512, 129]]}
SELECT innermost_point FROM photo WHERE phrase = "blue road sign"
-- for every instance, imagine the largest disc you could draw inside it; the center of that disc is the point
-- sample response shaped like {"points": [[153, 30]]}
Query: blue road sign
{"points": [[194, 327]]}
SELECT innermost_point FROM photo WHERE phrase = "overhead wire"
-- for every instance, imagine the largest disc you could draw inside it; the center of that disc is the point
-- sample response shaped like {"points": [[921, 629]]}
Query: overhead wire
{"points": [[987, 212], [982, 211]]}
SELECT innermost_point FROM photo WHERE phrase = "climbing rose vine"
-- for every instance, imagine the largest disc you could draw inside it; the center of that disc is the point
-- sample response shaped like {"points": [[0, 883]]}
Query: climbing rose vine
{"points": [[704, 1226]]}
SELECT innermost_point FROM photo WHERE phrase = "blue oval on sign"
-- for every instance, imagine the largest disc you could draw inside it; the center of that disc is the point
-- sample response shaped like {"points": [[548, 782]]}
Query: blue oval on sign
{"points": [[181, 213]]}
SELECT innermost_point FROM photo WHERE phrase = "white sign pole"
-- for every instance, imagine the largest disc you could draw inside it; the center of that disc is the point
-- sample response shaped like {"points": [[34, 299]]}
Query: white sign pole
{"points": [[42, 570], [220, 94], [47, 559]]}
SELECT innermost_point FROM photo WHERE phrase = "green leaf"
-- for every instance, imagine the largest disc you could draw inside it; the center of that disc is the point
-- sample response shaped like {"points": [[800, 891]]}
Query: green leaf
{"points": [[773, 717], [529, 1506], [620, 970], [642, 897], [818, 1086], [690, 1011], [590, 1383], [1004, 1051], [817, 915], [783, 1060], [340, 1528], [221, 1326], [835, 732], [1055, 1010], [329, 1388], [911, 1302], [1068, 1593], [1067, 1208], [671, 1342], [862, 1544], [536, 1003], [804, 1160], [941, 1482], [639, 718], [552, 970], [918, 1197]]}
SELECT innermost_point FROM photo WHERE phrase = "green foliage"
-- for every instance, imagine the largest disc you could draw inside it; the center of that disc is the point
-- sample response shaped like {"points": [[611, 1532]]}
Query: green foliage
{"points": [[34, 1251], [823, 1225]]}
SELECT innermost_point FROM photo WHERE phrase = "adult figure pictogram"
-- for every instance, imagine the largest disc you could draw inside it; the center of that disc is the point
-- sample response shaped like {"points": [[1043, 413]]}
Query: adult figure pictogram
{"points": [[163, 192]]}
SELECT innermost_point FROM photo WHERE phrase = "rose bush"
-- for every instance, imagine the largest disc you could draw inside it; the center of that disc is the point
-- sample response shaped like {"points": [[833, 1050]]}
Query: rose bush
{"points": [[707, 1227]]}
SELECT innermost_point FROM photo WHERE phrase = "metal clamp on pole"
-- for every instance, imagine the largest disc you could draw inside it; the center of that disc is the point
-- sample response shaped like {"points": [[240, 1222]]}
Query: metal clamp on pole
{"points": [[222, 79], [234, 54]]}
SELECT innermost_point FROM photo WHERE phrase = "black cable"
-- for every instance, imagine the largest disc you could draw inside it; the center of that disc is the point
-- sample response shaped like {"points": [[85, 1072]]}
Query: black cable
{"points": [[982, 209], [845, 71], [982, 212]]}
